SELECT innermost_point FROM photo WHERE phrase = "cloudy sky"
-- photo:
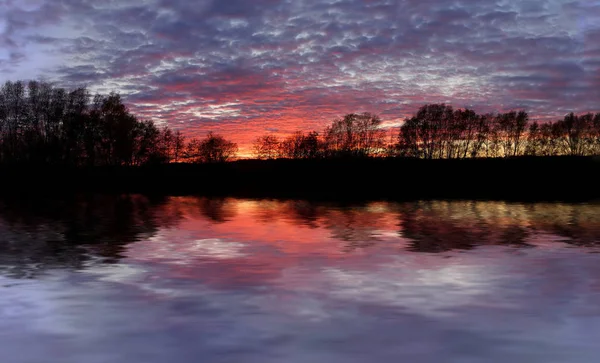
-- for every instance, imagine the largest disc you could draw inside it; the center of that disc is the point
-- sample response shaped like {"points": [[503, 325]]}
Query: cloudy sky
{"points": [[249, 67]]}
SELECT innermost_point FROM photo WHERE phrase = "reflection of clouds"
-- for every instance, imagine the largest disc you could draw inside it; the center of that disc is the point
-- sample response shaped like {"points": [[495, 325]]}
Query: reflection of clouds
{"points": [[425, 285], [424, 291], [444, 310], [120, 273], [216, 248], [278, 287], [37, 306], [181, 250], [386, 234]]}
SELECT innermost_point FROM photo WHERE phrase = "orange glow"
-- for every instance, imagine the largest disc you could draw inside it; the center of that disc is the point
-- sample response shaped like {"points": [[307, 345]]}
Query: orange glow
{"points": [[254, 240]]}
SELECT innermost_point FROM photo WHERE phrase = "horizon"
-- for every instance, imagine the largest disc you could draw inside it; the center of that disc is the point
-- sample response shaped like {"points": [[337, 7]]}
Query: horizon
{"points": [[274, 67]]}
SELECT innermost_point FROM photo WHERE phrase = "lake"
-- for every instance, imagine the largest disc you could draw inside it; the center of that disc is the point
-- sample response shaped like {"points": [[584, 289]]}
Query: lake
{"points": [[130, 278]]}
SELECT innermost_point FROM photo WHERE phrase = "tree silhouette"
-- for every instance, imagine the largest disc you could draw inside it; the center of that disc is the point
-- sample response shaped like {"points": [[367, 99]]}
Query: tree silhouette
{"points": [[437, 131], [426, 134], [41, 124], [178, 146], [266, 147], [511, 128], [534, 139], [213, 149], [301, 146], [355, 135]]}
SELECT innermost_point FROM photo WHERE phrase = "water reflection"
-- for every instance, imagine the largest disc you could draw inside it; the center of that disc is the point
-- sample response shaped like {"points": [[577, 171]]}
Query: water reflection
{"points": [[130, 278], [41, 234], [445, 226], [436, 226]]}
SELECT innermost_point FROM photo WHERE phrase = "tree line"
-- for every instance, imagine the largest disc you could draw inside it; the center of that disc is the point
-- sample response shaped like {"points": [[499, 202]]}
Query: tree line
{"points": [[355, 135], [438, 131], [44, 124]]}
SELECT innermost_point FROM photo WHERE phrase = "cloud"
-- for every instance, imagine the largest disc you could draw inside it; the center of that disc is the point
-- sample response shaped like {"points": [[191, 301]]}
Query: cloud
{"points": [[244, 67]]}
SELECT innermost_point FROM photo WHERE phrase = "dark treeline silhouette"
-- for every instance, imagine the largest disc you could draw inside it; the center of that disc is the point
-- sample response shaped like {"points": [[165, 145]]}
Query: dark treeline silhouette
{"points": [[45, 125], [571, 178], [355, 135], [42, 124], [80, 142], [437, 131]]}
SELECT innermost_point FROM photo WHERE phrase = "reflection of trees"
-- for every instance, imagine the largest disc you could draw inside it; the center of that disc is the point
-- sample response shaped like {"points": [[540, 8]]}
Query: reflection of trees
{"points": [[304, 212], [42, 234], [297, 212], [433, 227], [355, 225], [37, 235], [579, 224], [437, 226], [217, 210], [358, 224], [442, 226]]}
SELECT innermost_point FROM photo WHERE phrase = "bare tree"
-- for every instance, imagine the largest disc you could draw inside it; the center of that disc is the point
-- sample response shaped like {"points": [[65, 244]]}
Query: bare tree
{"points": [[355, 134], [213, 149], [266, 147], [178, 146], [43, 124], [301, 146], [511, 128]]}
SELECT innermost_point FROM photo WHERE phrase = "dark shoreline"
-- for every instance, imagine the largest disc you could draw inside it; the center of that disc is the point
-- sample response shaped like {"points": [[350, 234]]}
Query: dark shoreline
{"points": [[555, 178]]}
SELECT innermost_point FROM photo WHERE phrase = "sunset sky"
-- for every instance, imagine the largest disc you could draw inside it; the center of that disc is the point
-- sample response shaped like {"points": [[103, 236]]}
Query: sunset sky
{"points": [[244, 68]]}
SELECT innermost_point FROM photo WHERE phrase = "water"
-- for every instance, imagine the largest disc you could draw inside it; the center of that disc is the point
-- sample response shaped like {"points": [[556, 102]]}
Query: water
{"points": [[184, 279]]}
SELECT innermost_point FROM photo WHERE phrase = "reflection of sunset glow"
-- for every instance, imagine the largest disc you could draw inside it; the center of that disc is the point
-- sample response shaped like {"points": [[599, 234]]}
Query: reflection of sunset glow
{"points": [[177, 278], [183, 251], [264, 238]]}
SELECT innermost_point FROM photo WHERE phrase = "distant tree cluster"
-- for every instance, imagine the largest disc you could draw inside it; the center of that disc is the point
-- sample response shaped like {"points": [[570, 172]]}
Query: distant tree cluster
{"points": [[437, 131], [43, 124], [354, 135], [213, 149]]}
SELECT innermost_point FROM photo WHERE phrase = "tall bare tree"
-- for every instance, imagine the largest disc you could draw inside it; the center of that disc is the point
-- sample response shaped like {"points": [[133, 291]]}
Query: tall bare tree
{"points": [[266, 147], [212, 149]]}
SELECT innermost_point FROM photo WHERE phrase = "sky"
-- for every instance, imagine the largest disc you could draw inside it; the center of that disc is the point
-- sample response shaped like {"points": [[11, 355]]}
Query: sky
{"points": [[245, 68]]}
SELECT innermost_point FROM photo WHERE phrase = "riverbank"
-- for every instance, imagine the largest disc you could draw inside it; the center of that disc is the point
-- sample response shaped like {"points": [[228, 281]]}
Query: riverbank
{"points": [[520, 178]]}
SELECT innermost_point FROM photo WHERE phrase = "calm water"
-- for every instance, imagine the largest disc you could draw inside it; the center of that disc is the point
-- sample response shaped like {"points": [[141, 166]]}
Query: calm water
{"points": [[183, 279]]}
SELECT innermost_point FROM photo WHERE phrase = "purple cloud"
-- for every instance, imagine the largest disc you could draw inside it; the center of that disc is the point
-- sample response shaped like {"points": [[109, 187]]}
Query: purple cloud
{"points": [[245, 68]]}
